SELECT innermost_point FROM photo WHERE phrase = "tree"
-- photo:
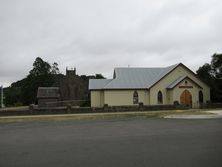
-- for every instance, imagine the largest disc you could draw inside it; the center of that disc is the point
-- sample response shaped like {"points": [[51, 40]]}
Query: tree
{"points": [[55, 68], [216, 64], [205, 73], [40, 67], [99, 76], [39, 76], [212, 75], [30, 87], [12, 96]]}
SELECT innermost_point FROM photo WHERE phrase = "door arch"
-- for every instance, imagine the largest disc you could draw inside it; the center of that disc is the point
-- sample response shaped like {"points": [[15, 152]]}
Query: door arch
{"points": [[186, 98]]}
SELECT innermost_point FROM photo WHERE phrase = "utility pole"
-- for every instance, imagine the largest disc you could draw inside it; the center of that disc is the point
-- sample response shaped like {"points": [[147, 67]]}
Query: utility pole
{"points": [[2, 96]]}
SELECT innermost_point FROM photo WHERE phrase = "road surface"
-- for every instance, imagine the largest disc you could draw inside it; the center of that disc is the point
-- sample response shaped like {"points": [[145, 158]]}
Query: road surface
{"points": [[136, 142]]}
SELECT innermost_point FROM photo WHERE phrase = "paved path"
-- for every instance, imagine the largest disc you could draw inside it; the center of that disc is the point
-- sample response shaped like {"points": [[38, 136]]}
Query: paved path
{"points": [[217, 112], [124, 143], [209, 114]]}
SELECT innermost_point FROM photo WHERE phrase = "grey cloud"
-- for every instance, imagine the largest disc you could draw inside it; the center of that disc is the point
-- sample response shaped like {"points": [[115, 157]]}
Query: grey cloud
{"points": [[96, 36]]}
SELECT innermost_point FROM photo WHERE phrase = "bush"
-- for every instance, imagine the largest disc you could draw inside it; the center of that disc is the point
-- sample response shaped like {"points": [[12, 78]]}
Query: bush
{"points": [[85, 104], [17, 104], [176, 103]]}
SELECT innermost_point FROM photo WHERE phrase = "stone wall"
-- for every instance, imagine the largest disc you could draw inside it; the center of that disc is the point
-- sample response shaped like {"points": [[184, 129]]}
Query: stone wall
{"points": [[34, 110]]}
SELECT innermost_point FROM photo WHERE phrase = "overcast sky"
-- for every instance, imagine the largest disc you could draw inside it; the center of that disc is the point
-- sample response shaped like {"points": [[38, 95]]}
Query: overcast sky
{"points": [[97, 35]]}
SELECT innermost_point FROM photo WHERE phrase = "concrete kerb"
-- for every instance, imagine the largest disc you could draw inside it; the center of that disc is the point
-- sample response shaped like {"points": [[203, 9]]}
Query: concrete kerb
{"points": [[83, 116], [192, 116]]}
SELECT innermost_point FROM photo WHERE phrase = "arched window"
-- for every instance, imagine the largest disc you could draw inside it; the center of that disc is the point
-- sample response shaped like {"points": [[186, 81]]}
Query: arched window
{"points": [[160, 97], [200, 96], [135, 98]]}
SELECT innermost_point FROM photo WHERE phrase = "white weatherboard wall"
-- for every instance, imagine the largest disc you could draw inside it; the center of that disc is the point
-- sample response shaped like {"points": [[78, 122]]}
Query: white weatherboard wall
{"points": [[97, 98], [124, 97]]}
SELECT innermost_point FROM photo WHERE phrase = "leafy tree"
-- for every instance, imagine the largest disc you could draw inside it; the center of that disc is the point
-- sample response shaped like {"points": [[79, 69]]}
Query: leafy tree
{"points": [[12, 93], [40, 67], [39, 76], [205, 73], [25, 91], [216, 64], [30, 87], [12, 96], [42, 74], [55, 68], [212, 75], [1, 87], [99, 76]]}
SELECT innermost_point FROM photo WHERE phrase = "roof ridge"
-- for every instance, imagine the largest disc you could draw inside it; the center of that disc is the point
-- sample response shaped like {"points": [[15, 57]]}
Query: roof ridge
{"points": [[137, 67], [146, 67], [135, 77], [171, 68], [155, 80], [107, 83], [92, 81], [179, 80]]}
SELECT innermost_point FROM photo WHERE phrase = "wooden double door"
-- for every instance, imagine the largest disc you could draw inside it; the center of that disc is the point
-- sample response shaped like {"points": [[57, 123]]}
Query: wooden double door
{"points": [[186, 98]]}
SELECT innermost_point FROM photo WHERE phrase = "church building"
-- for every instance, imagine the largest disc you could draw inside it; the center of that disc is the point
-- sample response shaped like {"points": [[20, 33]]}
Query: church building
{"points": [[150, 86]]}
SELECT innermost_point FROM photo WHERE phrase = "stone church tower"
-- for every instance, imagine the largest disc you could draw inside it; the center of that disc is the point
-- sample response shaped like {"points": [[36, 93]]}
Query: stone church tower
{"points": [[72, 86]]}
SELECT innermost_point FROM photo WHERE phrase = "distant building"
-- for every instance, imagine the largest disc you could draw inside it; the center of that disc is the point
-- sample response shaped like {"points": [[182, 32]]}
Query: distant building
{"points": [[69, 87], [71, 72], [46, 95], [150, 86], [72, 86]]}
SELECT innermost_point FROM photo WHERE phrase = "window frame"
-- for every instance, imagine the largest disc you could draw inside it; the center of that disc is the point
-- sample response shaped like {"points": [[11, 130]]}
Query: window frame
{"points": [[159, 97], [201, 97], [135, 97]]}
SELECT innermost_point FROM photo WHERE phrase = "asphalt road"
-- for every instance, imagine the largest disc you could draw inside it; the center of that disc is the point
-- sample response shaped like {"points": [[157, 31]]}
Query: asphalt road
{"points": [[118, 143]]}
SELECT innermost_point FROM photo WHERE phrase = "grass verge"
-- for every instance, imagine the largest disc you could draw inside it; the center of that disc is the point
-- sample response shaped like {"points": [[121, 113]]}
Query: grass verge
{"points": [[95, 116]]}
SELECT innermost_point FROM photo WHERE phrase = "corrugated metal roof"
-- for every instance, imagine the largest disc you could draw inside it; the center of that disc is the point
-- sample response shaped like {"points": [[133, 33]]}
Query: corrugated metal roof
{"points": [[180, 79], [177, 81], [131, 78], [98, 83]]}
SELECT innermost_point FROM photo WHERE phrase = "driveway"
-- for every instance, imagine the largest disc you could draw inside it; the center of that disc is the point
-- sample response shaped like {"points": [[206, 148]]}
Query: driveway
{"points": [[136, 142], [209, 114], [216, 112]]}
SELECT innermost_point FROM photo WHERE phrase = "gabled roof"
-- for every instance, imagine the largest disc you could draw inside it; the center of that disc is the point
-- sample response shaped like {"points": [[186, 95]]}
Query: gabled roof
{"points": [[176, 82], [95, 84], [179, 80], [139, 78], [131, 78], [48, 92]]}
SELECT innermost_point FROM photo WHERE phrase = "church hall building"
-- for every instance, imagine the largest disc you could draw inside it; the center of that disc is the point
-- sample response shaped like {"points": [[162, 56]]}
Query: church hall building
{"points": [[150, 86]]}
